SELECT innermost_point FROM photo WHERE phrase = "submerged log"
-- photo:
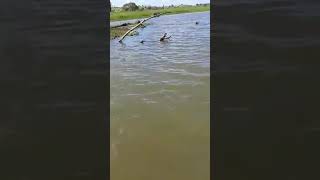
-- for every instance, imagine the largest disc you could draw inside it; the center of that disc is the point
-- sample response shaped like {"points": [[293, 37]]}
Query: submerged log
{"points": [[139, 24], [164, 37]]}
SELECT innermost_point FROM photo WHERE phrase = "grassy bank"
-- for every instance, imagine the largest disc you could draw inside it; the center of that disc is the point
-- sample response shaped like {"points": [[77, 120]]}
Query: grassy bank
{"points": [[125, 15]]}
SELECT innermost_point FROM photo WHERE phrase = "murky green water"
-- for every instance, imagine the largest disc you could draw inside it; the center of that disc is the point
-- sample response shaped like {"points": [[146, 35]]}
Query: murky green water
{"points": [[160, 101]]}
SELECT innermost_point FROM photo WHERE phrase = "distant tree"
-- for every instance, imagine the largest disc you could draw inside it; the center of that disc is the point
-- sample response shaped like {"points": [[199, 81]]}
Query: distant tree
{"points": [[130, 7]]}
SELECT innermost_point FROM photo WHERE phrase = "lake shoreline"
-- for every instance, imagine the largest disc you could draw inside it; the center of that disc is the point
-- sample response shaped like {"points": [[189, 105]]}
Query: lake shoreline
{"points": [[116, 32], [129, 15]]}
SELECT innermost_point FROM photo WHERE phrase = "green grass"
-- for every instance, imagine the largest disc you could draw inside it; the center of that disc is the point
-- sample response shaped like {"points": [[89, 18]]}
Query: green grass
{"points": [[125, 15]]}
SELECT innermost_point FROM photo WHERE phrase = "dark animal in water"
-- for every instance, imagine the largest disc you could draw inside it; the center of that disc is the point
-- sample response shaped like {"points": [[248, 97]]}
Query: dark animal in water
{"points": [[197, 22], [142, 41], [125, 24], [164, 37]]}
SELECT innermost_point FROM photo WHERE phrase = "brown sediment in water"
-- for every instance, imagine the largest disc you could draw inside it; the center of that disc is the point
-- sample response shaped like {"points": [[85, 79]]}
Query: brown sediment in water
{"points": [[118, 31]]}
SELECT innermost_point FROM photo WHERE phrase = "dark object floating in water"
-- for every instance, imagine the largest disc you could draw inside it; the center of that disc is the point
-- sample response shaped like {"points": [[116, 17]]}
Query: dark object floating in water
{"points": [[142, 41], [164, 37], [197, 22]]}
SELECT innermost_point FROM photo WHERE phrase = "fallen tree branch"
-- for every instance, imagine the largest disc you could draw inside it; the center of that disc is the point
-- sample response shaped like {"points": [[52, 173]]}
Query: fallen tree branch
{"points": [[133, 28], [164, 37]]}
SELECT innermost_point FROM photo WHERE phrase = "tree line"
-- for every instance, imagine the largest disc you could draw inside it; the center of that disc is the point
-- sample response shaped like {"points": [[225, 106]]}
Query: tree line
{"points": [[134, 7]]}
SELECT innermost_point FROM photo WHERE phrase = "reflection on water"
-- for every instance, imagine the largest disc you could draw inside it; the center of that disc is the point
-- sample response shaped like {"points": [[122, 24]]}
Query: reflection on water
{"points": [[160, 101]]}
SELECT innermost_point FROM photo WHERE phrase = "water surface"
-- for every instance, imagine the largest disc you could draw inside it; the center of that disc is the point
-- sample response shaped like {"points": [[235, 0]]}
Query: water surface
{"points": [[160, 100]]}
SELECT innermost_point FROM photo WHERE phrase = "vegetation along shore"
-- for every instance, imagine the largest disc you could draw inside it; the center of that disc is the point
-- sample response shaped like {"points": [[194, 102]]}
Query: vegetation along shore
{"points": [[119, 14], [132, 11]]}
